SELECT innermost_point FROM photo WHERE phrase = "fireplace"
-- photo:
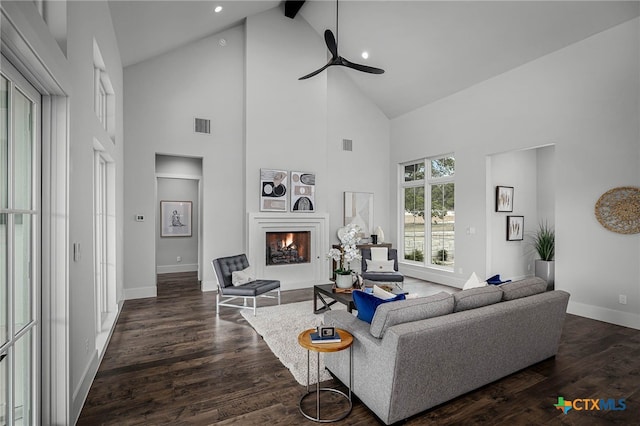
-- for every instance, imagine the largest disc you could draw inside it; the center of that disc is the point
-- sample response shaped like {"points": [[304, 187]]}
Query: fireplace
{"points": [[286, 248], [291, 275]]}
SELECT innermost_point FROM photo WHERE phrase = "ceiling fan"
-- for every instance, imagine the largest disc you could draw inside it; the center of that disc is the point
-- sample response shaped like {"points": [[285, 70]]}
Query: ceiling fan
{"points": [[336, 59]]}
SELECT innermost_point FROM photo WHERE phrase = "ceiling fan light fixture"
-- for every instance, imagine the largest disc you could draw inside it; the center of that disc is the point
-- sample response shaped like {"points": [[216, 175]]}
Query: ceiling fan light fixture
{"points": [[336, 59]]}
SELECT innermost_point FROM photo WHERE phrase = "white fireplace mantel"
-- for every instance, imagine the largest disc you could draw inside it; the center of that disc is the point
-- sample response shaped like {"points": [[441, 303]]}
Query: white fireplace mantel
{"points": [[291, 276]]}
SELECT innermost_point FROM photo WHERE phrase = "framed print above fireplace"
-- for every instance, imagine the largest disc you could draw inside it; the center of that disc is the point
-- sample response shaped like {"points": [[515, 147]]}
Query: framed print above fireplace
{"points": [[273, 190], [303, 192]]}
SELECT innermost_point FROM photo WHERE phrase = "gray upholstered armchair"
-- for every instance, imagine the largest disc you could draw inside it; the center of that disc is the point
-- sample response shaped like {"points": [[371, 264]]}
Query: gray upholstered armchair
{"points": [[224, 268], [394, 277]]}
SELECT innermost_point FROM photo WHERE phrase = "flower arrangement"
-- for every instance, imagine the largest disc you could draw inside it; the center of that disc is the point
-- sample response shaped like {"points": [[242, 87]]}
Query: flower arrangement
{"points": [[348, 251]]}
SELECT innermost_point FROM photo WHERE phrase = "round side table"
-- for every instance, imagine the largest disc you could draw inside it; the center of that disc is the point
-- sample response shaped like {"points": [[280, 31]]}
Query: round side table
{"points": [[304, 339]]}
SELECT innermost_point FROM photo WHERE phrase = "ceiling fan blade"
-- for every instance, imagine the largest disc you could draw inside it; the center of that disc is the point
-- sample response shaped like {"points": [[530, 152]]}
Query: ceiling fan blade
{"points": [[318, 71], [363, 68], [331, 43]]}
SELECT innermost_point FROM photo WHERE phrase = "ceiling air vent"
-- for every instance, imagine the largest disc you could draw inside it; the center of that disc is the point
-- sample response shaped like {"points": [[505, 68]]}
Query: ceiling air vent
{"points": [[347, 145], [203, 125]]}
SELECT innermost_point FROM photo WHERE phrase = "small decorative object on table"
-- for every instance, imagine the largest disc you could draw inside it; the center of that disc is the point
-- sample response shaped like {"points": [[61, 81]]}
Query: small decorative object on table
{"points": [[349, 237], [325, 334]]}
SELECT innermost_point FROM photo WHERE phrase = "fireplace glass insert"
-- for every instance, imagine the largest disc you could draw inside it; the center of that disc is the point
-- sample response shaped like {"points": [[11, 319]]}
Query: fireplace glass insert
{"points": [[285, 248]]}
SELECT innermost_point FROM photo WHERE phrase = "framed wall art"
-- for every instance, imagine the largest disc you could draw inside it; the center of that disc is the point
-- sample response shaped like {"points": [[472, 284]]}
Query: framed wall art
{"points": [[515, 228], [303, 190], [504, 198], [273, 190], [175, 218], [358, 209]]}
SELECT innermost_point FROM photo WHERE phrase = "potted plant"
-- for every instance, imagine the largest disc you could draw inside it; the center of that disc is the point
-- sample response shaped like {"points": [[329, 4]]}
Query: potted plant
{"points": [[349, 237], [544, 241]]}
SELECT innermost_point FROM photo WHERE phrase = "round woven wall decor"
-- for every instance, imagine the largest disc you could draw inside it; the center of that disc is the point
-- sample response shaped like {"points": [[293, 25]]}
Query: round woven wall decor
{"points": [[618, 210]]}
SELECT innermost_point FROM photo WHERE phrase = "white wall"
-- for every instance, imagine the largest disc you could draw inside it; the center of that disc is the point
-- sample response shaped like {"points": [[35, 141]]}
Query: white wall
{"points": [[286, 119], [87, 20], [584, 99], [546, 183], [512, 259], [69, 75], [299, 125], [365, 169], [178, 180], [164, 94], [168, 249]]}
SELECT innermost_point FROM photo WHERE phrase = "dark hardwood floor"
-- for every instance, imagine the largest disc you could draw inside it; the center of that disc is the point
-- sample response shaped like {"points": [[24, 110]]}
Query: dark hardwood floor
{"points": [[171, 360]]}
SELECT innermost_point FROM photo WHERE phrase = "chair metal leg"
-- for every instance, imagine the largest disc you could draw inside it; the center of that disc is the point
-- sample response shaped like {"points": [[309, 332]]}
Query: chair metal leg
{"points": [[217, 302], [278, 296]]}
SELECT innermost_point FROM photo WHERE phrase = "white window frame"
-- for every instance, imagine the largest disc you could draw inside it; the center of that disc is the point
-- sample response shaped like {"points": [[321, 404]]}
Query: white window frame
{"points": [[426, 184], [103, 93], [18, 83], [106, 307]]}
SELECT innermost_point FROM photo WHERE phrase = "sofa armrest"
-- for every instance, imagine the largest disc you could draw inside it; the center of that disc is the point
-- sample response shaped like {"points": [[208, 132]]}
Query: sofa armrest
{"points": [[358, 328]]}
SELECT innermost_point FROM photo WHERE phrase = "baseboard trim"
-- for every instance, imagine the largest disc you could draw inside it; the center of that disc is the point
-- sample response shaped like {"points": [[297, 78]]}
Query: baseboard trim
{"points": [[169, 269], [90, 372], [84, 386], [140, 293], [209, 286], [625, 319]]}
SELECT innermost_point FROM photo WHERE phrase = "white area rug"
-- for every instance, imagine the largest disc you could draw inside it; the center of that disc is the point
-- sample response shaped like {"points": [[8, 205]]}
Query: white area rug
{"points": [[280, 326]]}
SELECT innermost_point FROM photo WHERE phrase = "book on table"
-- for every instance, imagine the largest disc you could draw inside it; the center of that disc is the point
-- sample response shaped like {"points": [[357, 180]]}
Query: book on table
{"points": [[316, 338]]}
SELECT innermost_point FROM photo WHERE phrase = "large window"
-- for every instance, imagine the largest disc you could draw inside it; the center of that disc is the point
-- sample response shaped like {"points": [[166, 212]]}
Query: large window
{"points": [[428, 186], [19, 249]]}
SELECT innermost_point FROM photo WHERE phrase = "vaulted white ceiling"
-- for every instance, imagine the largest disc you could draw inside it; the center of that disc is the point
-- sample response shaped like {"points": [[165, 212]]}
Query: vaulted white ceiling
{"points": [[429, 49]]}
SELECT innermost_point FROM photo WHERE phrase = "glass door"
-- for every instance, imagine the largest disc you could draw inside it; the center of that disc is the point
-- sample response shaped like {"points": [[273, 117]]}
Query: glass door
{"points": [[19, 249]]}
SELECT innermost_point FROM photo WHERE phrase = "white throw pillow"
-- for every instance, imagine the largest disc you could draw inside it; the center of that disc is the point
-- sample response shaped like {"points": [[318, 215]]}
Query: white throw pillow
{"points": [[382, 294], [379, 254], [383, 266], [473, 282], [242, 277]]}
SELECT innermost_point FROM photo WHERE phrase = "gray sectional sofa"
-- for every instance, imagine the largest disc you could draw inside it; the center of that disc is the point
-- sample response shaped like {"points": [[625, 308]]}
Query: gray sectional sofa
{"points": [[419, 353]]}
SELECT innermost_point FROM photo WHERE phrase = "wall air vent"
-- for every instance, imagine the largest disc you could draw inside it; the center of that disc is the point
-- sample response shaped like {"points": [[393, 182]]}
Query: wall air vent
{"points": [[202, 125], [347, 145]]}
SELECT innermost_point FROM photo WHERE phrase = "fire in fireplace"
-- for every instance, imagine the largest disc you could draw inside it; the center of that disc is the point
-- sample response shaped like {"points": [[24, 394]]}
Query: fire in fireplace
{"points": [[285, 248]]}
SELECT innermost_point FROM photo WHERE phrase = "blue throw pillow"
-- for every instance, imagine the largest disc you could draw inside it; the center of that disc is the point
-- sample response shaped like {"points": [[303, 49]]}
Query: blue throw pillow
{"points": [[495, 280], [366, 304]]}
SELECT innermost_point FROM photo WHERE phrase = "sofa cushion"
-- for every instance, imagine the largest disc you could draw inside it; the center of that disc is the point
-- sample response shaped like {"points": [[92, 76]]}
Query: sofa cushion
{"points": [[476, 298], [366, 304], [523, 288], [410, 310]]}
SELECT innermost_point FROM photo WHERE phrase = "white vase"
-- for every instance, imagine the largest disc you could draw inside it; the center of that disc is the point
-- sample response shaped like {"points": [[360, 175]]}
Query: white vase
{"points": [[380, 235], [344, 281]]}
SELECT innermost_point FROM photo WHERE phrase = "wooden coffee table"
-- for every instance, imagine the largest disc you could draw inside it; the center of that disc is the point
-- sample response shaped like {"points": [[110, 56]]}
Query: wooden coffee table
{"points": [[321, 291], [326, 290]]}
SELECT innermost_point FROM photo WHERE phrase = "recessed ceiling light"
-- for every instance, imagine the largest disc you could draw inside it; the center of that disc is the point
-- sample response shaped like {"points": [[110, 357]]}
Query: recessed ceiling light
{"points": [[217, 9], [365, 55], [222, 42]]}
